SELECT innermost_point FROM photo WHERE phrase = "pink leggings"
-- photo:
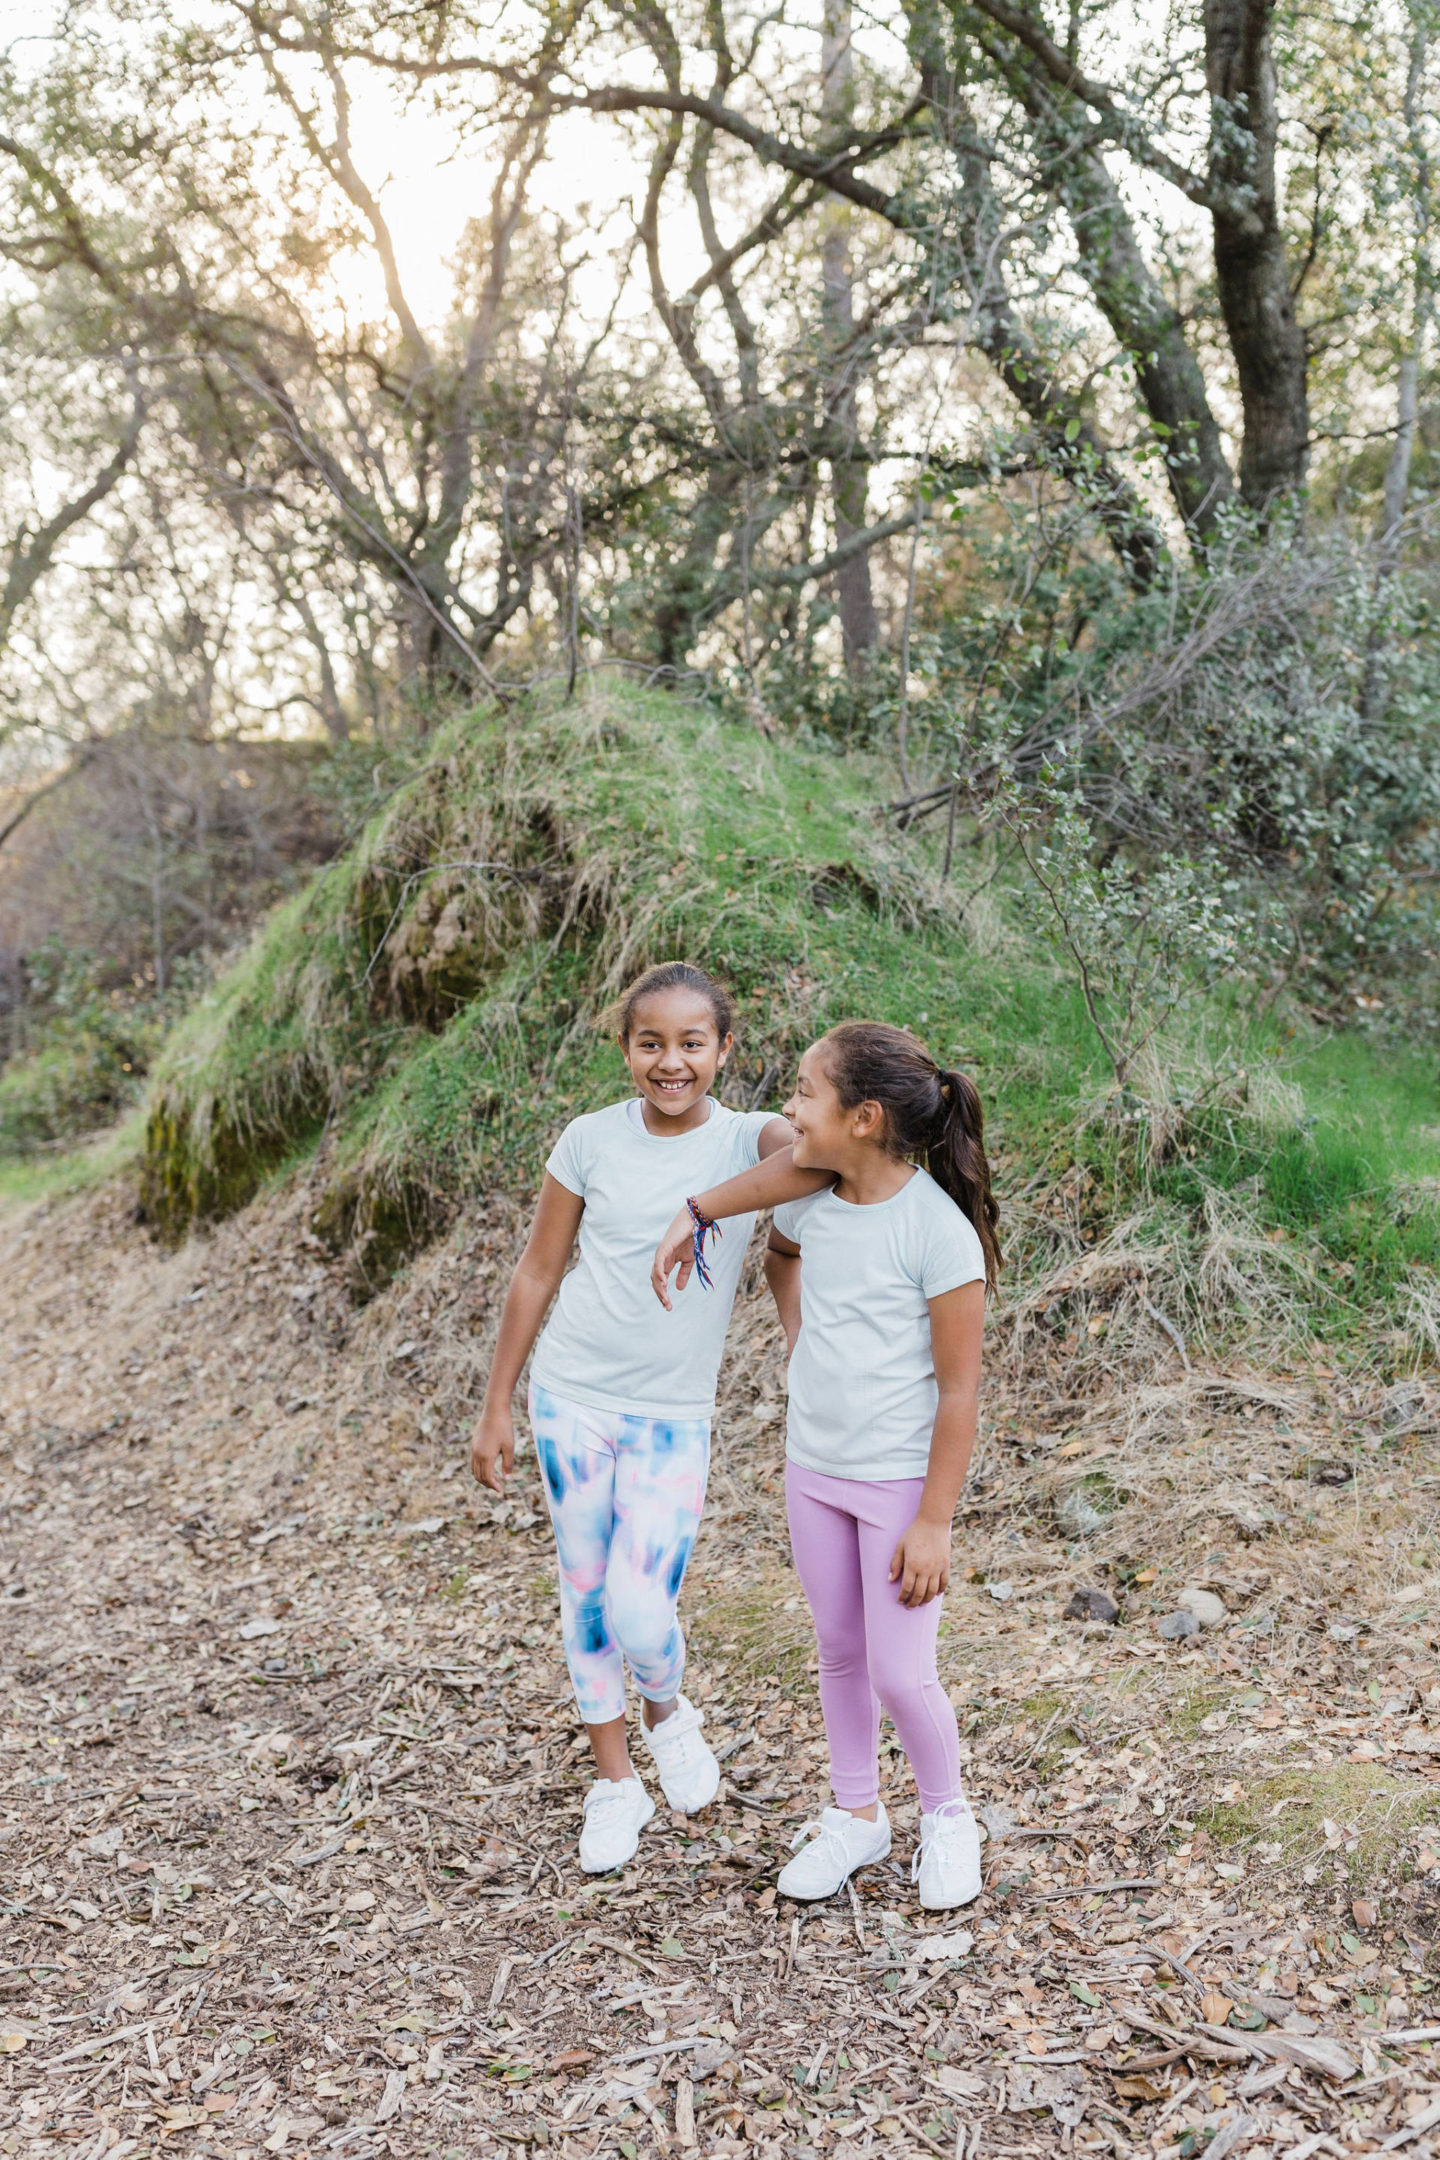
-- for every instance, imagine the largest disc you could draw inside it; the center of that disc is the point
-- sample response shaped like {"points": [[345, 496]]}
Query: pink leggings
{"points": [[873, 1649]]}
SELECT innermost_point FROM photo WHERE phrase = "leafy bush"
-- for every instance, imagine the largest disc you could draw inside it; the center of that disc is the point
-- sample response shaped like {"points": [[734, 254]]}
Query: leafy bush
{"points": [[82, 1057]]}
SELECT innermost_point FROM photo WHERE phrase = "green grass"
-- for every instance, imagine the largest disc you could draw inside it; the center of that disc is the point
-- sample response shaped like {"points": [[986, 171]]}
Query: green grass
{"points": [[1353, 1179], [36, 1176], [437, 1023], [442, 1023], [1281, 1822]]}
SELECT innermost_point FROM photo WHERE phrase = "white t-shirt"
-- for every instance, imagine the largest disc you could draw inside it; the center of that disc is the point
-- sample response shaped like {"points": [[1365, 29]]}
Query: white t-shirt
{"points": [[610, 1343], [863, 1394]]}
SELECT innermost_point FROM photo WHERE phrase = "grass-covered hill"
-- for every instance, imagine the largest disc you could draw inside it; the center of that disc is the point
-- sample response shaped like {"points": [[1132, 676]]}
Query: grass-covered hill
{"points": [[418, 1022]]}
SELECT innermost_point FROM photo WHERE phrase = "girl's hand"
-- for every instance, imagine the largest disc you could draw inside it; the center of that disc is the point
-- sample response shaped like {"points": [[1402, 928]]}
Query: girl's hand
{"points": [[921, 1562], [676, 1249], [492, 1449]]}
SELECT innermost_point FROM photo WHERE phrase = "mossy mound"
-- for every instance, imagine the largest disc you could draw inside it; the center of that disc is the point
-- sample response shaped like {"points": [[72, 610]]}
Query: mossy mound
{"points": [[430, 1004]]}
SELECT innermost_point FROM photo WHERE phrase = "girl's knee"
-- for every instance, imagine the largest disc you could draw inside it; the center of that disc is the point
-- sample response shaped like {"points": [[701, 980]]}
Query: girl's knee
{"points": [[843, 1661], [589, 1626], [648, 1633], [906, 1693]]}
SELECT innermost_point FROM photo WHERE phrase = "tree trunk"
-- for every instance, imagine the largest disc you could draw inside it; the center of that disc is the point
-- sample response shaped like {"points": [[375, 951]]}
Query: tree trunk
{"points": [[1407, 391], [1061, 427], [1137, 310], [1252, 268], [849, 477]]}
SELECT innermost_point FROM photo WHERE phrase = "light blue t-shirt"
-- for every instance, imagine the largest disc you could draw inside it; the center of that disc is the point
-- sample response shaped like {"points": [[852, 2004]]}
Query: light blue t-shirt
{"points": [[609, 1343], [863, 1394]]}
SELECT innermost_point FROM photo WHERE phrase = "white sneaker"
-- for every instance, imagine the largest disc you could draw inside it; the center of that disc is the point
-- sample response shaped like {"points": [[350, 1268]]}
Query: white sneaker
{"points": [[616, 1811], [689, 1772], [947, 1864], [838, 1844]]}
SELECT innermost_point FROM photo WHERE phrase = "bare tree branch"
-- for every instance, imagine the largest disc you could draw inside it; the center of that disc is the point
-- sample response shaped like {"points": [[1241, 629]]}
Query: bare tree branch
{"points": [[32, 553]]}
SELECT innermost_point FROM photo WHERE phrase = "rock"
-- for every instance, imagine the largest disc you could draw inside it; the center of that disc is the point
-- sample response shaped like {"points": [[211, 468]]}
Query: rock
{"points": [[1208, 1609], [1176, 1626], [1002, 1592], [997, 1822], [1092, 1605]]}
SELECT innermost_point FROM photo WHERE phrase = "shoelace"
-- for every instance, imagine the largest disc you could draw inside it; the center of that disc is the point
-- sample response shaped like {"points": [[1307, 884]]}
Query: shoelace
{"points": [[947, 1820], [600, 1805], [683, 1746], [823, 1833]]}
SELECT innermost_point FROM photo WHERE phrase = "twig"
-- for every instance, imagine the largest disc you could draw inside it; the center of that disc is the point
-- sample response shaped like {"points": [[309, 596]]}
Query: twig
{"points": [[1167, 1327], [1096, 1889], [1050, 1724]]}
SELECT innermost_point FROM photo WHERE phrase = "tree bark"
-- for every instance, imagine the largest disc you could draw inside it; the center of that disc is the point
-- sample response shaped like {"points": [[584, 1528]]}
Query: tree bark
{"points": [[1252, 269], [849, 478], [1147, 324], [1063, 432], [32, 552], [1389, 530]]}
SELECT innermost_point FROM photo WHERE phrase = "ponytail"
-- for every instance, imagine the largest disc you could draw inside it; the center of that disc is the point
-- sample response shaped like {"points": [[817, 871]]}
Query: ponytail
{"points": [[957, 1160], [932, 1115]]}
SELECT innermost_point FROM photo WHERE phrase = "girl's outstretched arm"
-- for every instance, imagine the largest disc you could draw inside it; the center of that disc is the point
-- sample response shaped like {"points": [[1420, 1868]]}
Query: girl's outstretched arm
{"points": [[534, 1283], [921, 1561], [772, 1182]]}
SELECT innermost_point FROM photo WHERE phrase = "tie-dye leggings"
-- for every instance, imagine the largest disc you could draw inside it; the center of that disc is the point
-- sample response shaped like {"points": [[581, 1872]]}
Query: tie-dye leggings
{"points": [[626, 1496]]}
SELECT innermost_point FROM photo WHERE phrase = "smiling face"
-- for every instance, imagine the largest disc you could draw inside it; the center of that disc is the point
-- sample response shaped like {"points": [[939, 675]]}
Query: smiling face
{"points": [[827, 1135], [674, 1051]]}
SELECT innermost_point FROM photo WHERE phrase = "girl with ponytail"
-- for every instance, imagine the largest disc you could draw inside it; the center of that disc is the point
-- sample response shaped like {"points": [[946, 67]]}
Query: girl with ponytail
{"points": [[880, 1279]]}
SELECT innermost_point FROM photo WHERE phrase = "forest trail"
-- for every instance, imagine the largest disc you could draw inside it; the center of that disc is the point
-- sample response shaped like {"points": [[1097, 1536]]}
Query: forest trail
{"points": [[290, 1773]]}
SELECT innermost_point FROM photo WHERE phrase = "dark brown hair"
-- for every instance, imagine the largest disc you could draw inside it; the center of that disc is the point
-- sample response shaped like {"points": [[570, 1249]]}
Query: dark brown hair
{"points": [[932, 1114], [676, 975]]}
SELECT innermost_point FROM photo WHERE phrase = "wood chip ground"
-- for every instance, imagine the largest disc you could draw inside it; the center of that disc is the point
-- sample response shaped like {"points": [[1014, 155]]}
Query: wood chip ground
{"points": [[290, 1777]]}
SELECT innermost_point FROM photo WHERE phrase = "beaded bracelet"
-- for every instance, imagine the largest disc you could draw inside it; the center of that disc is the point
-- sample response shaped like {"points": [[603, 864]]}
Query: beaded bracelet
{"points": [[702, 1223]]}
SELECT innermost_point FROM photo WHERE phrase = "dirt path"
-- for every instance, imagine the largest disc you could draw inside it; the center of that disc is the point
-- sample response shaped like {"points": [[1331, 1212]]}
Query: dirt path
{"points": [[290, 1775]]}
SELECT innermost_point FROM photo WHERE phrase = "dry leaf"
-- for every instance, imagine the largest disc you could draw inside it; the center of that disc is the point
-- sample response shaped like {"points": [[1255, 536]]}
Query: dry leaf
{"points": [[1137, 2085]]}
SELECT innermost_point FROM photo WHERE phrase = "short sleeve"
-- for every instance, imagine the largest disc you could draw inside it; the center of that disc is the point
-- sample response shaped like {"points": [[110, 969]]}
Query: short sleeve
{"points": [[950, 1251], [754, 1123], [789, 1217], [566, 1161]]}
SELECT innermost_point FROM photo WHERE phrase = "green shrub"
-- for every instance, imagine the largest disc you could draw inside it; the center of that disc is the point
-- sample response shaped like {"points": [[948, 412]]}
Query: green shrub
{"points": [[81, 1057]]}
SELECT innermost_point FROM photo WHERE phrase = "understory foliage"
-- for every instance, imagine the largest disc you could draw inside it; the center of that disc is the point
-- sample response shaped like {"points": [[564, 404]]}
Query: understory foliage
{"points": [[1221, 738], [430, 1010], [1017, 418]]}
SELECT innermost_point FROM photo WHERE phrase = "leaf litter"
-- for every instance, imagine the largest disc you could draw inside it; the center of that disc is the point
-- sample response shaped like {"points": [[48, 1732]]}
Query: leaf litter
{"points": [[291, 1776]]}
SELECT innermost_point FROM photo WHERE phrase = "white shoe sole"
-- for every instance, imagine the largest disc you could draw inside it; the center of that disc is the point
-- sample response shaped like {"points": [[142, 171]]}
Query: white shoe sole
{"points": [[608, 1867], [813, 1897], [966, 1897]]}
